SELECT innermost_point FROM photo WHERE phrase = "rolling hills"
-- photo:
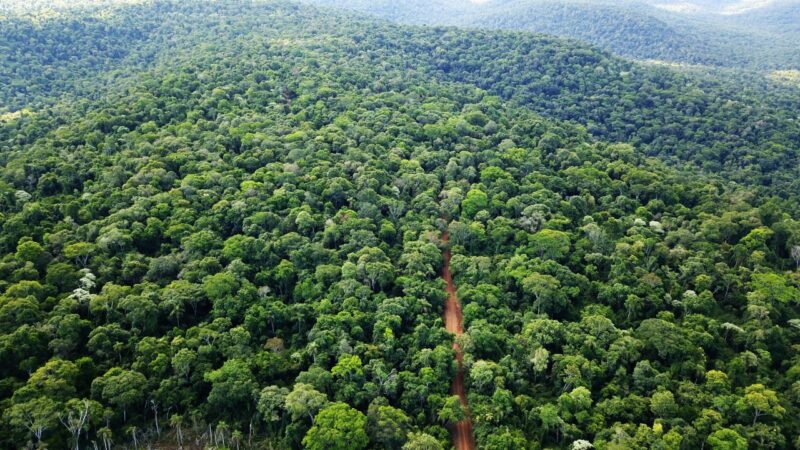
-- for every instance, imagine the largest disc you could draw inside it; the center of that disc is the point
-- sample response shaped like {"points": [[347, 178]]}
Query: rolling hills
{"points": [[713, 33], [224, 224], [661, 111]]}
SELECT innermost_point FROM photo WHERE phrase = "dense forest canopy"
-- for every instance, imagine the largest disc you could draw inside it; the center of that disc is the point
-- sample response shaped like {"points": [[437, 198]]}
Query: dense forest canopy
{"points": [[760, 35], [742, 126], [222, 225]]}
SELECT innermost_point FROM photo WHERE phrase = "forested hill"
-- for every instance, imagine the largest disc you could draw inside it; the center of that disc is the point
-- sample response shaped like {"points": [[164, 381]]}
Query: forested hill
{"points": [[226, 232], [45, 55], [646, 32], [746, 128], [686, 32]]}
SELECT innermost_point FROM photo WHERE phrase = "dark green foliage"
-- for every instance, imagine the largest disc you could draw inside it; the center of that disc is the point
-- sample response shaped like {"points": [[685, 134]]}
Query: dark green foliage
{"points": [[241, 245]]}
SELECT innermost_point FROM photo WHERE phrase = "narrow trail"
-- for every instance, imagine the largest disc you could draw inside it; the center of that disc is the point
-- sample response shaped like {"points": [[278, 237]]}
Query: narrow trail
{"points": [[463, 438]]}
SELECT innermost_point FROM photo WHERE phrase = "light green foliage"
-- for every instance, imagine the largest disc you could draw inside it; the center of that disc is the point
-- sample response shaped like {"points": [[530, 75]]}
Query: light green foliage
{"points": [[121, 388], [34, 416], [270, 402], [337, 427], [80, 252], [220, 286], [55, 379], [545, 290], [726, 439], [422, 441], [550, 244], [452, 410], [475, 201], [663, 404], [304, 401], [773, 287], [348, 367], [549, 417], [29, 251], [760, 401]]}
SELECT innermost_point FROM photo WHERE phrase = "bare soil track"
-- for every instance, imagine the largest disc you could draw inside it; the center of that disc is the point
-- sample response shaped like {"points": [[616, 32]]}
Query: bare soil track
{"points": [[463, 438]]}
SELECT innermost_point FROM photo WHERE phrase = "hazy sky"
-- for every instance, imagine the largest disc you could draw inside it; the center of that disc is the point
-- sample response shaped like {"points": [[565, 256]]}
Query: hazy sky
{"points": [[718, 6], [726, 7]]}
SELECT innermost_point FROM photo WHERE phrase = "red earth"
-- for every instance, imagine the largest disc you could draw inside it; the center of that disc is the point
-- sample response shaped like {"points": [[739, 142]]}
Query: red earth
{"points": [[463, 438]]}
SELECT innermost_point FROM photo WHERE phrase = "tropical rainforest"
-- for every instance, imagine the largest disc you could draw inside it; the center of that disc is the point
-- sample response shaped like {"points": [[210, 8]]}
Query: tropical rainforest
{"points": [[249, 225], [757, 34]]}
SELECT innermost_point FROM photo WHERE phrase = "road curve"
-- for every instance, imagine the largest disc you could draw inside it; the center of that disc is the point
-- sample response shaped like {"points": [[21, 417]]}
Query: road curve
{"points": [[463, 438]]}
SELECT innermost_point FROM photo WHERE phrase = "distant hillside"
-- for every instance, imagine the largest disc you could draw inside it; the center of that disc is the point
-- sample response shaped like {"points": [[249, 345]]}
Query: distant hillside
{"points": [[48, 55], [743, 127], [625, 30], [777, 17], [723, 34]]}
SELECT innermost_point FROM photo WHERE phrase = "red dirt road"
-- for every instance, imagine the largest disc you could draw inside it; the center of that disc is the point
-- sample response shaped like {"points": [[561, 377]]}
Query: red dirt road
{"points": [[463, 438]]}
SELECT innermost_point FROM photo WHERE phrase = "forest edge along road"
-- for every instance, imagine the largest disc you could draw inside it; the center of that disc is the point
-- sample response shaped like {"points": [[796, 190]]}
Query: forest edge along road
{"points": [[461, 431]]}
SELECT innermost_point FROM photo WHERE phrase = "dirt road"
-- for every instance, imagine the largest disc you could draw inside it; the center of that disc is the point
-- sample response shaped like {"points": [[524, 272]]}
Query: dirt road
{"points": [[463, 438]]}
